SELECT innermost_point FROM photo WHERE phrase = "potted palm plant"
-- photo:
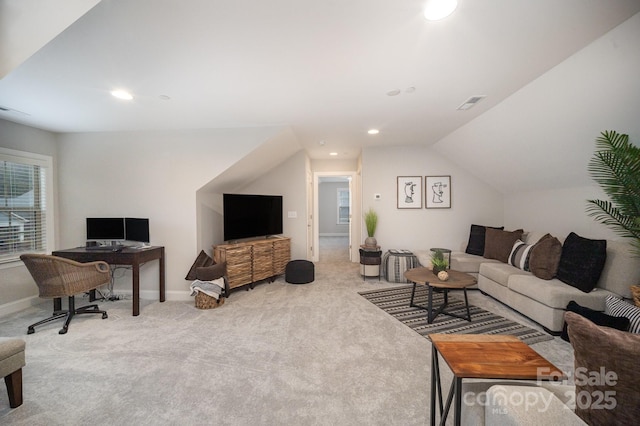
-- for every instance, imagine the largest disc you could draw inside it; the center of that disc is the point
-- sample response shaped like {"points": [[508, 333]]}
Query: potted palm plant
{"points": [[371, 222], [615, 166]]}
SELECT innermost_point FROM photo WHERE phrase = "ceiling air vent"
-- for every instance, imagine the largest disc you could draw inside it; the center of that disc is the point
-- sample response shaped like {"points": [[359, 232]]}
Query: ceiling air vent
{"points": [[470, 102]]}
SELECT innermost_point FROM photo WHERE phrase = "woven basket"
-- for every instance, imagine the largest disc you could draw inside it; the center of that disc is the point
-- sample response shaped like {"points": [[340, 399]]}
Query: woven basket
{"points": [[635, 292], [204, 301]]}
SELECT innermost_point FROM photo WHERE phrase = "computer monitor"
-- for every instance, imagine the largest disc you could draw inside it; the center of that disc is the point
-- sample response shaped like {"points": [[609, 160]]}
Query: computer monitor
{"points": [[136, 229], [105, 228]]}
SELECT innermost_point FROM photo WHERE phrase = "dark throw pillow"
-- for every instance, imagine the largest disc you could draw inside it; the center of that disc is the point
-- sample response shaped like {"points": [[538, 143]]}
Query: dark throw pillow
{"points": [[476, 239], [545, 257], [213, 272], [498, 244], [203, 259], [596, 317], [581, 262]]}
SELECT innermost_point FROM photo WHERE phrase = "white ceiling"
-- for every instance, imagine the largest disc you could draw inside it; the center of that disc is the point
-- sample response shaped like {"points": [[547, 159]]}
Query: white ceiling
{"points": [[321, 67]]}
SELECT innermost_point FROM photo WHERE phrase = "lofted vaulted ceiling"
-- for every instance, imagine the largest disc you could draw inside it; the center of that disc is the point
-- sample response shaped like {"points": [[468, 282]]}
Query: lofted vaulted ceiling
{"points": [[323, 68]]}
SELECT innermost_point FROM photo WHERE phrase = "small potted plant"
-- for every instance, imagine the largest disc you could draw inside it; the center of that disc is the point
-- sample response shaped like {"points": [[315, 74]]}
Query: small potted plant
{"points": [[371, 222], [438, 261]]}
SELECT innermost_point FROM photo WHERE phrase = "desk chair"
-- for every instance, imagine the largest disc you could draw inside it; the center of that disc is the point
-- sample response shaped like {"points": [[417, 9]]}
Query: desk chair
{"points": [[57, 277]]}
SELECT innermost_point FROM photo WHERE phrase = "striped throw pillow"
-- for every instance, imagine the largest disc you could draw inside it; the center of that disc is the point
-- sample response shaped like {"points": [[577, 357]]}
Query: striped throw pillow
{"points": [[619, 308], [519, 256]]}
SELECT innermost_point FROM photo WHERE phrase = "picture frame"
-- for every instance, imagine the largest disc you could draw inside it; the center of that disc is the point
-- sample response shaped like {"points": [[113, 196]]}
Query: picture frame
{"points": [[437, 192], [409, 192]]}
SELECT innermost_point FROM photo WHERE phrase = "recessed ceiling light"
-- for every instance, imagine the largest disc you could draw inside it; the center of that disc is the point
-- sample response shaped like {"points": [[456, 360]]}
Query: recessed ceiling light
{"points": [[122, 94], [164, 97], [434, 10], [410, 89], [373, 131], [333, 154], [394, 92]]}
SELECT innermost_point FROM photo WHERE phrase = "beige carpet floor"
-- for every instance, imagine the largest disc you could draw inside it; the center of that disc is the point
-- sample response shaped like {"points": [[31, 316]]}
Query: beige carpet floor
{"points": [[280, 354]]}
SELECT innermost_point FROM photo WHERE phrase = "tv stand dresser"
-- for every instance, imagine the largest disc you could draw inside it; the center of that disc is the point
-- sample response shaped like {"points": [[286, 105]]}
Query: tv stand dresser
{"points": [[251, 261]]}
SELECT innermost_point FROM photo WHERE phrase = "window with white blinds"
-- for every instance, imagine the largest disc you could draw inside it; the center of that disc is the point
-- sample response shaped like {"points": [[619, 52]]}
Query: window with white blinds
{"points": [[344, 214], [23, 204]]}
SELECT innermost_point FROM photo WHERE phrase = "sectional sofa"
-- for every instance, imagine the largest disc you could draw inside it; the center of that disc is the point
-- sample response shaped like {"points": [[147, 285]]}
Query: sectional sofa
{"points": [[575, 268]]}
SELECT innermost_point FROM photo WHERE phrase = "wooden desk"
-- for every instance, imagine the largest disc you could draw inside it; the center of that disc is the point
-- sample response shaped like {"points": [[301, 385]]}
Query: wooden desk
{"points": [[480, 356], [127, 256], [457, 281]]}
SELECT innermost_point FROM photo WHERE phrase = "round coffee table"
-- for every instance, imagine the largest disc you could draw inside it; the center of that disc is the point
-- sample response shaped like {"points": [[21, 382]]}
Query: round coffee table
{"points": [[457, 281]]}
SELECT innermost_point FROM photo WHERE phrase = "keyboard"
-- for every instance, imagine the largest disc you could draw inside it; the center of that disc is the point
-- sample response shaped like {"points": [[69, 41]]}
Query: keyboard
{"points": [[105, 248]]}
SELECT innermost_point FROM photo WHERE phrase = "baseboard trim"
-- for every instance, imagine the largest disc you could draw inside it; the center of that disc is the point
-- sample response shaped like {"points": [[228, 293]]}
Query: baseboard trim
{"points": [[174, 296], [20, 305]]}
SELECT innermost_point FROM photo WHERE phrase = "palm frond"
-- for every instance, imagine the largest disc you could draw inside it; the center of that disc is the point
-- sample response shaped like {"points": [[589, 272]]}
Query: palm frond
{"points": [[615, 166]]}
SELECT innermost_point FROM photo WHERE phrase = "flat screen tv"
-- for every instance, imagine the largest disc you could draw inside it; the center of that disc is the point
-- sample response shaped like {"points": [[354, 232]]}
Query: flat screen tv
{"points": [[246, 215], [105, 228], [136, 229]]}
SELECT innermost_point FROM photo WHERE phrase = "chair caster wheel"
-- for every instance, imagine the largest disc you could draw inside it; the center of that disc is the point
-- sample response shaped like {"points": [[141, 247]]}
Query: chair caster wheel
{"points": [[31, 330], [104, 315], [63, 331]]}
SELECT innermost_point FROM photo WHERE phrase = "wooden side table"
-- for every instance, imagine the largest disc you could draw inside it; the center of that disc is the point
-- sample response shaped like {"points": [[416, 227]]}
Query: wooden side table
{"points": [[457, 281], [481, 356]]}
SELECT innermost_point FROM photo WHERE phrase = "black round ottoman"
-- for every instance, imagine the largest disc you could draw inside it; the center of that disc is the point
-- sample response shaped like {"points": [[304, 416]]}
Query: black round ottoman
{"points": [[299, 272]]}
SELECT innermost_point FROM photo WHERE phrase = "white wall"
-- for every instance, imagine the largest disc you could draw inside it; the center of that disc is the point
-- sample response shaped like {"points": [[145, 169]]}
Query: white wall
{"points": [[147, 174], [472, 201], [17, 288], [557, 211], [288, 179], [535, 146]]}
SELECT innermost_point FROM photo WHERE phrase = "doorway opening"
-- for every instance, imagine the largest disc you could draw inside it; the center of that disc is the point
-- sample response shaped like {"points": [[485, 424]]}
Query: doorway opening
{"points": [[333, 217]]}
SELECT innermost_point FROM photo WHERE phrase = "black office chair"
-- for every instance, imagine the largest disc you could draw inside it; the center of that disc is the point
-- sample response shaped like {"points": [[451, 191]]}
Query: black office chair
{"points": [[370, 258]]}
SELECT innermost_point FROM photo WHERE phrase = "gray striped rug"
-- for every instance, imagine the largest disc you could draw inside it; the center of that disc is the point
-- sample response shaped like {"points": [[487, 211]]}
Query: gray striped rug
{"points": [[395, 301]]}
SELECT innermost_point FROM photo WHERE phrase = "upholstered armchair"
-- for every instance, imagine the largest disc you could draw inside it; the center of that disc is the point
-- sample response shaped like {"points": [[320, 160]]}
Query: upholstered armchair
{"points": [[57, 277]]}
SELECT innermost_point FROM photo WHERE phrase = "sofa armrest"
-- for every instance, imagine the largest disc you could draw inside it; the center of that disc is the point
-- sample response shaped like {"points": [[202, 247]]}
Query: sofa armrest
{"points": [[526, 405]]}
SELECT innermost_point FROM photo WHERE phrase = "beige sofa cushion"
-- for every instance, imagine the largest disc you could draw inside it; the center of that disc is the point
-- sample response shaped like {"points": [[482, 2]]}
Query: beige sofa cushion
{"points": [[556, 294], [468, 263], [500, 272]]}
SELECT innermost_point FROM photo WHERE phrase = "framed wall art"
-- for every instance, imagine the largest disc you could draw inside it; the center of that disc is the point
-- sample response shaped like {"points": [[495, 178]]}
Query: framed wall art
{"points": [[409, 192], [437, 192]]}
